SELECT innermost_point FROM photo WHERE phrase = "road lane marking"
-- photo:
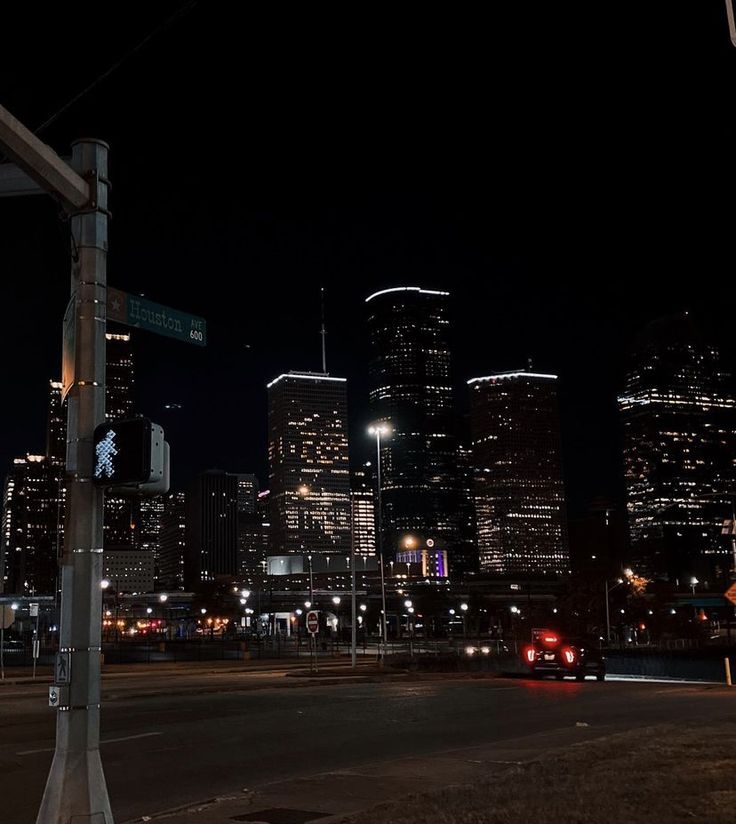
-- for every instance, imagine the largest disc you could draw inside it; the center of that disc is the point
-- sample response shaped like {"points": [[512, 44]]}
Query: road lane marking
{"points": [[107, 741], [130, 737]]}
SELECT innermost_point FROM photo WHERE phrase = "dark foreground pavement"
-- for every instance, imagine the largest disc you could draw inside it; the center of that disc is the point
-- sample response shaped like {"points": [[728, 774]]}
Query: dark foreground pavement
{"points": [[329, 748]]}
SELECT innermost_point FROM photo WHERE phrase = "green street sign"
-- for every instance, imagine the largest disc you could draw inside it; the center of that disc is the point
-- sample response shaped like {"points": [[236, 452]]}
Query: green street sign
{"points": [[154, 317]]}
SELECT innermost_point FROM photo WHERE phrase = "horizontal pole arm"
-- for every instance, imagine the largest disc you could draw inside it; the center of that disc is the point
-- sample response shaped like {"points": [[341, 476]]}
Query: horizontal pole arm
{"points": [[41, 163]]}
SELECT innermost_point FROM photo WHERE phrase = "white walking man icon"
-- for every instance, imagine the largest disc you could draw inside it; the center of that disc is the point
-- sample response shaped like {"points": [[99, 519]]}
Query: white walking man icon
{"points": [[106, 451]]}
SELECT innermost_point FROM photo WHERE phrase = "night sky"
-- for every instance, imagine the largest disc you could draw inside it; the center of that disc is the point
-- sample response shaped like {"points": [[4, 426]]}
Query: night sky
{"points": [[567, 174]]}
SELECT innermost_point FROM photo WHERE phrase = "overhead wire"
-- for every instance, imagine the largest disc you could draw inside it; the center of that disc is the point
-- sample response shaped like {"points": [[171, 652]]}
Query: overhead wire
{"points": [[169, 21]]}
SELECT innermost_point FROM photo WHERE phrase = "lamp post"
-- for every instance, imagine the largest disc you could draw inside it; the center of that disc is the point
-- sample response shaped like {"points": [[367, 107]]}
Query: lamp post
{"points": [[162, 599], [104, 584], [464, 609], [618, 583], [377, 431]]}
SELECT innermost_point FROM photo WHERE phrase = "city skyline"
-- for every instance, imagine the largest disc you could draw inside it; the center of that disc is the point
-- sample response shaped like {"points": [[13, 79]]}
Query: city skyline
{"points": [[432, 396], [521, 226]]}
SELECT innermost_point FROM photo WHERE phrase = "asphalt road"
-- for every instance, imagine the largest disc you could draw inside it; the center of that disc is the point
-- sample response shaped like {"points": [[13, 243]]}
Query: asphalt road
{"points": [[161, 751]]}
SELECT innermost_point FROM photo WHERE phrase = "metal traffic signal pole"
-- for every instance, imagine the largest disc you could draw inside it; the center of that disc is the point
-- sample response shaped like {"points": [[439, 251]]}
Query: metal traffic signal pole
{"points": [[76, 789]]}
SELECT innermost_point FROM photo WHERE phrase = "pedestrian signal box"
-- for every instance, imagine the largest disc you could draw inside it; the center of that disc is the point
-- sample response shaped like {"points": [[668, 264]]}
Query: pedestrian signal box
{"points": [[131, 457]]}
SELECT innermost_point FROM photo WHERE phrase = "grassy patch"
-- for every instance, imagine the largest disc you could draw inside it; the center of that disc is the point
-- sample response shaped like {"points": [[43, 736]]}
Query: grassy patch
{"points": [[658, 775]]}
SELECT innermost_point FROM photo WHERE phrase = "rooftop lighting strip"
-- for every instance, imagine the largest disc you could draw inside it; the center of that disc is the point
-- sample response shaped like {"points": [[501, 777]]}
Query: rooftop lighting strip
{"points": [[503, 375], [304, 377], [405, 289]]}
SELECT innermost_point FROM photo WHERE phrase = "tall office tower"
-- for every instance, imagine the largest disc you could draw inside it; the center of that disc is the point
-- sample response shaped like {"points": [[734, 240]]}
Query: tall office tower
{"points": [[251, 545], [308, 464], [598, 539], [467, 548], [411, 391], [120, 377], [172, 542], [56, 457], [212, 528], [56, 426], [679, 436], [120, 513], [519, 491], [247, 493], [364, 513], [29, 548], [149, 512]]}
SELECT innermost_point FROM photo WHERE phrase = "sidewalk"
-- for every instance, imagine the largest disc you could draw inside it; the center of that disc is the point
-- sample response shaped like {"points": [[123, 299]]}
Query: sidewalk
{"points": [[655, 775]]}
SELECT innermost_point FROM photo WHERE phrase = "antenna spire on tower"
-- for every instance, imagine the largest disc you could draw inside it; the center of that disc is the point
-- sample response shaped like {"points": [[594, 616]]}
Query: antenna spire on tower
{"points": [[323, 331]]}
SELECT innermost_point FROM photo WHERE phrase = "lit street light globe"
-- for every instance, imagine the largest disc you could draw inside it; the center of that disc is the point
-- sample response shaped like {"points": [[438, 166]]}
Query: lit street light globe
{"points": [[104, 583], [452, 612], [336, 600], [381, 429], [245, 593], [243, 601], [163, 598], [407, 604], [149, 610], [464, 607], [298, 612], [363, 607], [203, 611], [308, 604]]}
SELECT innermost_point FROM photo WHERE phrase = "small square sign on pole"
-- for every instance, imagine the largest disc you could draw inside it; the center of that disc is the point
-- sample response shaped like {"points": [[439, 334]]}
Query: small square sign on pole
{"points": [[63, 668]]}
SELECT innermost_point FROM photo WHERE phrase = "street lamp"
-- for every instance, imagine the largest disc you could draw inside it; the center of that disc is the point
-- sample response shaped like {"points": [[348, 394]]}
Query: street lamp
{"points": [[311, 586], [163, 598], [377, 431], [628, 573], [693, 583], [336, 601], [464, 610]]}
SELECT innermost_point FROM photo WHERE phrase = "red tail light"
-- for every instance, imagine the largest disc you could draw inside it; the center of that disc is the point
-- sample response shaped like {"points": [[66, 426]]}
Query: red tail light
{"points": [[530, 654], [568, 655], [550, 639]]}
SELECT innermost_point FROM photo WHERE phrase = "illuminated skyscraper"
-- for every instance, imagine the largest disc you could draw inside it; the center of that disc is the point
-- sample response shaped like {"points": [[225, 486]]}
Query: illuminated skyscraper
{"points": [[252, 547], [172, 542], [120, 377], [411, 391], [362, 496], [212, 528], [519, 491], [28, 546], [148, 513], [56, 457], [120, 513], [56, 426], [308, 464], [679, 427]]}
